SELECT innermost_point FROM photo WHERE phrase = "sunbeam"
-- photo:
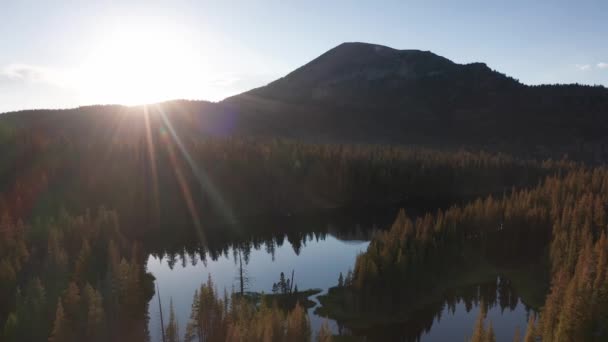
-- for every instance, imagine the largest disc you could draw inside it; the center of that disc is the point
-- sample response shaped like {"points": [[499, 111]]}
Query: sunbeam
{"points": [[205, 183], [152, 162]]}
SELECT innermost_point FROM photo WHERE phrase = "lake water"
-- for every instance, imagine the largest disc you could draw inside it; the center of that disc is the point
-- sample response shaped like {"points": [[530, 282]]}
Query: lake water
{"points": [[317, 265], [317, 259], [453, 317], [457, 323]]}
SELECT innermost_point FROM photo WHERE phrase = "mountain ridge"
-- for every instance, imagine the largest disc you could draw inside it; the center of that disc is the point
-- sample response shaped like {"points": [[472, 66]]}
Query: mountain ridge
{"points": [[369, 62], [369, 93]]}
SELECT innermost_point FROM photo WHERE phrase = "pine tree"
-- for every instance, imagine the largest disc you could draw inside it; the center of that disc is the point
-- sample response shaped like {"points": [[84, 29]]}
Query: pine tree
{"points": [[32, 308], [530, 330], [324, 334], [282, 283], [71, 301], [569, 318], [207, 319], [348, 281], [9, 333], [490, 336], [298, 326], [479, 333], [517, 337], [80, 268], [192, 326], [340, 280], [95, 324], [8, 278], [553, 305], [172, 329], [61, 328]]}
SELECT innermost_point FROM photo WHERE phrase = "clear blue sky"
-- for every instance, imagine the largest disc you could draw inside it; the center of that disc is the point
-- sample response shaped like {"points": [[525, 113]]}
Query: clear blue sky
{"points": [[57, 54]]}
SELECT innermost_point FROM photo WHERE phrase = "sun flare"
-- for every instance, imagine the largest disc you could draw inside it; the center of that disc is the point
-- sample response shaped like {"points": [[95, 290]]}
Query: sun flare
{"points": [[135, 66]]}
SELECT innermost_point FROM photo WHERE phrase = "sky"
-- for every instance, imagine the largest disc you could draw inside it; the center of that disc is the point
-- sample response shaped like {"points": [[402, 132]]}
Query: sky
{"points": [[63, 53]]}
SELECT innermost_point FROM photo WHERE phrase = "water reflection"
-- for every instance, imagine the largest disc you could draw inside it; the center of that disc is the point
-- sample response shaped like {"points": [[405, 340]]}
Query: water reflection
{"points": [[316, 257], [318, 251], [192, 253], [452, 316]]}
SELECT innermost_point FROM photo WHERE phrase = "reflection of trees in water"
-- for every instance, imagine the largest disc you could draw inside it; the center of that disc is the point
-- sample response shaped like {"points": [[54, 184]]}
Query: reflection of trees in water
{"points": [[228, 241], [192, 253], [357, 234], [401, 301], [492, 294]]}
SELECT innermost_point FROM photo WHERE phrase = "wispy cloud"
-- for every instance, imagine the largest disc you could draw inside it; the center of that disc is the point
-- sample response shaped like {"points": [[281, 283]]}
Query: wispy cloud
{"points": [[583, 67], [587, 67], [32, 74]]}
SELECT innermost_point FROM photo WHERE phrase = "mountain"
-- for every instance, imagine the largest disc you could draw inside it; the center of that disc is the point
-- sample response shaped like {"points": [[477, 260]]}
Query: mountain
{"points": [[366, 77], [372, 93], [366, 93]]}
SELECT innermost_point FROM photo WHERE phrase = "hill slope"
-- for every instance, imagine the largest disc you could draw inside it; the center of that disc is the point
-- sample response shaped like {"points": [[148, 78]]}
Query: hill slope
{"points": [[372, 93], [367, 93]]}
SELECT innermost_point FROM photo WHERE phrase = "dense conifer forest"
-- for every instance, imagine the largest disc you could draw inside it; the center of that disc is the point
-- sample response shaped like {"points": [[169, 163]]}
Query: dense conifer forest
{"points": [[155, 169], [560, 225], [81, 216]]}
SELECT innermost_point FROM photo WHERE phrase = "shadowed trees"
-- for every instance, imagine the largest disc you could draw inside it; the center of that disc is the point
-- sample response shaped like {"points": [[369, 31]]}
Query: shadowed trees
{"points": [[84, 280], [238, 318], [564, 219]]}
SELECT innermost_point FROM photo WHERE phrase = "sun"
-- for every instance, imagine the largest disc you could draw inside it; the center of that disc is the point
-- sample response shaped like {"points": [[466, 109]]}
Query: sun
{"points": [[135, 65]]}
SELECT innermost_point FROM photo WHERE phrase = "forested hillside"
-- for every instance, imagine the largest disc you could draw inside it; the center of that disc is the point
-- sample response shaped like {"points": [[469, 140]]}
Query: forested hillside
{"points": [[152, 167], [559, 226]]}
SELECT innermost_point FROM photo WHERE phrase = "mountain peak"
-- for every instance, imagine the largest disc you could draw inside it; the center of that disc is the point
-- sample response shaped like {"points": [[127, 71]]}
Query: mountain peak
{"points": [[358, 74], [376, 53], [363, 45]]}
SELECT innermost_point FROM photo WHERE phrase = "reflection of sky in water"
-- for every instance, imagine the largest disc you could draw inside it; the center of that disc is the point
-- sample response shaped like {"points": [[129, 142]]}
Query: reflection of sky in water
{"points": [[458, 326], [317, 266]]}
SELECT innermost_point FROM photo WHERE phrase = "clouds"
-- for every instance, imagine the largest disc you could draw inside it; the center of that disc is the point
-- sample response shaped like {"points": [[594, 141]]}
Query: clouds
{"points": [[24, 72], [27, 73], [25, 86], [588, 67]]}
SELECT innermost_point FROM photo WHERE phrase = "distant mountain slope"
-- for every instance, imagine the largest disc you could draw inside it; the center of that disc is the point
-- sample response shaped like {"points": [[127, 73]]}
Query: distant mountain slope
{"points": [[368, 93], [373, 93], [358, 74]]}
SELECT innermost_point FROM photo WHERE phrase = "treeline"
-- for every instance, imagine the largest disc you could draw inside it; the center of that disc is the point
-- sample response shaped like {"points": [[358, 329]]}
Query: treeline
{"points": [[72, 278], [156, 169], [564, 218]]}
